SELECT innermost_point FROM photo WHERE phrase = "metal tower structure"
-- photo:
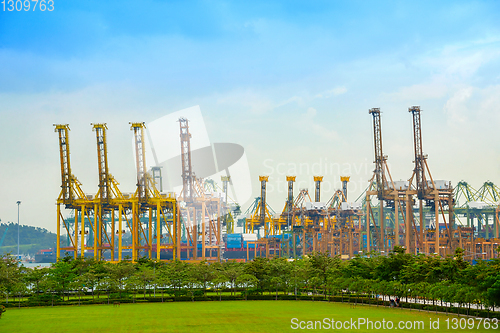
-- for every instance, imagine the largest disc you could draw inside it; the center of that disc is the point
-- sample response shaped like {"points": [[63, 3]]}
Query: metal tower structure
{"points": [[157, 177], [102, 203], [202, 210], [263, 180], [155, 218], [261, 215], [438, 196], [387, 192], [228, 217], [317, 188], [188, 177], [289, 202], [71, 197], [344, 181]]}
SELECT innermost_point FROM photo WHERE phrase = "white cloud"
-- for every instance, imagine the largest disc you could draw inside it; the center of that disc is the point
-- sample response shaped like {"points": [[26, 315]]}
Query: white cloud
{"points": [[456, 109], [307, 124], [434, 89], [332, 92], [250, 100]]}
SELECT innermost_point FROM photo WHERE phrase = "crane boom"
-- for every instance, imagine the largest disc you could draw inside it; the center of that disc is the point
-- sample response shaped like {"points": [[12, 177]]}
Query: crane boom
{"points": [[379, 156], [140, 160], [102, 159], [289, 202], [67, 193], [317, 187], [263, 181], [419, 156], [187, 172]]}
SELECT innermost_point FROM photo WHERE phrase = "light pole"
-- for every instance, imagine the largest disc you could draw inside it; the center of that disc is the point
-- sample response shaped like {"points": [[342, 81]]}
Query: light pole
{"points": [[18, 203]]}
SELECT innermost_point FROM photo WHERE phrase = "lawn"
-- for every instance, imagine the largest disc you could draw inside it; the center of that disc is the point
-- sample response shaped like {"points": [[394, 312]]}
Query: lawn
{"points": [[227, 316]]}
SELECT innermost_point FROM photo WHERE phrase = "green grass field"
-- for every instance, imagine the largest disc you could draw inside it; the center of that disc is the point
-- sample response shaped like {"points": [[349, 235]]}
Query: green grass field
{"points": [[227, 316]]}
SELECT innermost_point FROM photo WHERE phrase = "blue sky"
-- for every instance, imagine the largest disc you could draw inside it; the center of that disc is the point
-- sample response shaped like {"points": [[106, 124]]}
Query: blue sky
{"points": [[291, 81]]}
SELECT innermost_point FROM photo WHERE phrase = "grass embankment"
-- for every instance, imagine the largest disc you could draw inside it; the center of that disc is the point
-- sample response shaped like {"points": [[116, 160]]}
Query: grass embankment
{"points": [[229, 316], [24, 248]]}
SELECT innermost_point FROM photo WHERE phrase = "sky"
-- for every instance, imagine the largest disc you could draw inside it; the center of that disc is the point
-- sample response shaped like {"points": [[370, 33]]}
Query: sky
{"points": [[290, 81]]}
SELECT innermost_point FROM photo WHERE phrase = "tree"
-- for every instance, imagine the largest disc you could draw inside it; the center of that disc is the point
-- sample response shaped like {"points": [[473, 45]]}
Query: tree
{"points": [[279, 272], [247, 281], [360, 266], [190, 280], [9, 274], [120, 272], [389, 268], [470, 297], [204, 274], [109, 284], [277, 282], [19, 289], [132, 284], [493, 292], [315, 282], [219, 281], [89, 280], [422, 268], [162, 279], [145, 275], [322, 265], [48, 285], [460, 295], [382, 289], [78, 284], [298, 276], [260, 268], [177, 272], [335, 284], [63, 274], [356, 285], [35, 276], [232, 270]]}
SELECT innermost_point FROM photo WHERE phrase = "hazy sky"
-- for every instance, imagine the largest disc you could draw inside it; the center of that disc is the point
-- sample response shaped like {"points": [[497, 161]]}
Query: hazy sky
{"points": [[290, 81]]}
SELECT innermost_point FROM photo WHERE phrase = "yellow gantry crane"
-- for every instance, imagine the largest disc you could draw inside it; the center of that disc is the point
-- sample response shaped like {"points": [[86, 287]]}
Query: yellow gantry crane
{"points": [[97, 215], [109, 204], [72, 197], [152, 212], [102, 199], [261, 216], [285, 220]]}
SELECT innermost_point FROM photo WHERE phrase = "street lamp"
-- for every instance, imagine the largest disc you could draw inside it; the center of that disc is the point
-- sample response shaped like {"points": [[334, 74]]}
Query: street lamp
{"points": [[18, 203]]}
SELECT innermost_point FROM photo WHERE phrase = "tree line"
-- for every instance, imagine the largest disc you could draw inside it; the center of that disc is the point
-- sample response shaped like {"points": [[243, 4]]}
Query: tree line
{"points": [[437, 281], [31, 239]]}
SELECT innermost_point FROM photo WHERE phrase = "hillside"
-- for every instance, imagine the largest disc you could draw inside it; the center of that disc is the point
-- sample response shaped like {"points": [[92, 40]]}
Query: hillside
{"points": [[31, 239]]}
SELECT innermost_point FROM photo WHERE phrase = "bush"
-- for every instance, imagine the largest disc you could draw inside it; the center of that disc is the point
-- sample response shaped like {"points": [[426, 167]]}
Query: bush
{"points": [[177, 292], [2, 310], [198, 293], [44, 299], [120, 296]]}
